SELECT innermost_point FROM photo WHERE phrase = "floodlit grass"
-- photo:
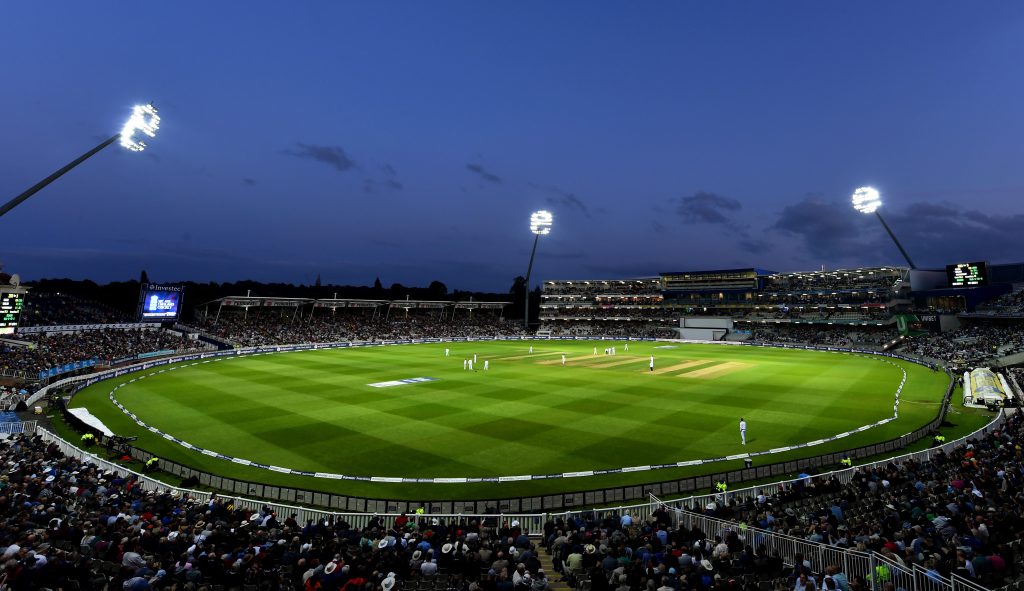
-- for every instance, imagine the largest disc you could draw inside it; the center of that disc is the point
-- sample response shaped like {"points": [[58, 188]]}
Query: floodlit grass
{"points": [[528, 414]]}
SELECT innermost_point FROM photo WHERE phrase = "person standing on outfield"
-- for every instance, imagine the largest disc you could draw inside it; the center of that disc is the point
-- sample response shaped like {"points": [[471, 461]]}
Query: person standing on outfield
{"points": [[743, 431], [465, 363], [487, 364], [470, 364], [595, 350], [563, 358], [531, 348], [474, 357], [652, 362], [627, 346], [446, 351]]}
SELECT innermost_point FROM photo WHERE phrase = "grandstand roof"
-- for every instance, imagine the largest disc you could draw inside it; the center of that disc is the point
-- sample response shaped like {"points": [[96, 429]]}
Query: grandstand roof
{"points": [[259, 301], [716, 271]]}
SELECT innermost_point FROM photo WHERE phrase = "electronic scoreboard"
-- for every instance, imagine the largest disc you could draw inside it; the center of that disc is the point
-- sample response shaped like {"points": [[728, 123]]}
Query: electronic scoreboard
{"points": [[11, 303], [967, 274]]}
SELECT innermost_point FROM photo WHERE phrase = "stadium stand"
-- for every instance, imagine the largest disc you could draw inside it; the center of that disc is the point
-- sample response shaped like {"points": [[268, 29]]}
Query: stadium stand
{"points": [[55, 309], [71, 525], [269, 325], [979, 343], [40, 351], [960, 513]]}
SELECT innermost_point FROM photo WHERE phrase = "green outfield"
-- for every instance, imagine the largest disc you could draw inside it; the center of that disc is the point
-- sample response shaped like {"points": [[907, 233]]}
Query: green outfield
{"points": [[527, 414]]}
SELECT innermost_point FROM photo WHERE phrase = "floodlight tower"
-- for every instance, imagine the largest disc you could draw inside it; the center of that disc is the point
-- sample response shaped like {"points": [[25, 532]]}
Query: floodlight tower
{"points": [[144, 119], [540, 225], [867, 200]]}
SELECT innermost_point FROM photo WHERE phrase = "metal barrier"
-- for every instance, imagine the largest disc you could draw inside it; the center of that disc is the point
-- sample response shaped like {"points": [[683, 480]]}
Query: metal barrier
{"points": [[873, 567], [530, 522], [15, 428]]}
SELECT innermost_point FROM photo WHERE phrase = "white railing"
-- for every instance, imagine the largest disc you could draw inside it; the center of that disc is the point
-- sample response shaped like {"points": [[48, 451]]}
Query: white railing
{"points": [[530, 522], [644, 510], [18, 427], [875, 569]]}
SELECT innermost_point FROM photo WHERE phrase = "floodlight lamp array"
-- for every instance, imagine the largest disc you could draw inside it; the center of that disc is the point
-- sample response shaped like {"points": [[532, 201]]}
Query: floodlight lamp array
{"points": [[540, 222], [866, 200], [144, 119]]}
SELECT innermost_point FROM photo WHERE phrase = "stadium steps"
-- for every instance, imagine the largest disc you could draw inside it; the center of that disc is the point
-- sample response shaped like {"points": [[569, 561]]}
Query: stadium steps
{"points": [[554, 579]]}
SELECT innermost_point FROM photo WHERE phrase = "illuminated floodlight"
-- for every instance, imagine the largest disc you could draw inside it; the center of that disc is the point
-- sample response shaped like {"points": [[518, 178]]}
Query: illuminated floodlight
{"points": [[540, 222], [144, 119], [866, 200]]}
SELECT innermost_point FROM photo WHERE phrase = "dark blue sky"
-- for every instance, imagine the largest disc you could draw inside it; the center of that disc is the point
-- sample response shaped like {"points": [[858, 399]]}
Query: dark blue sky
{"points": [[411, 140]]}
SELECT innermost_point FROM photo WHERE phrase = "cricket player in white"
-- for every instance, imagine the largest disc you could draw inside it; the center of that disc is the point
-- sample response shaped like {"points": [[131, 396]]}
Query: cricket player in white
{"points": [[743, 431], [487, 364], [563, 358], [471, 365], [595, 350], [627, 346], [531, 348], [474, 357], [446, 351], [652, 362], [465, 363]]}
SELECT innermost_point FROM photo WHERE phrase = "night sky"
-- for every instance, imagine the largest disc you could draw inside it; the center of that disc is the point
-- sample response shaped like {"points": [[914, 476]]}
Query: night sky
{"points": [[411, 140]]}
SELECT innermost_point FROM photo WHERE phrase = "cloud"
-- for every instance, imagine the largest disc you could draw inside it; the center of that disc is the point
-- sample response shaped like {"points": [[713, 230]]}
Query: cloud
{"points": [[333, 156], [827, 228], [940, 233], [754, 245], [709, 208], [560, 198], [487, 176], [249, 182], [372, 186], [934, 233]]}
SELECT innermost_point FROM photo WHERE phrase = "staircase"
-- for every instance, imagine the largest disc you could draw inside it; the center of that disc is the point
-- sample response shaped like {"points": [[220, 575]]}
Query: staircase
{"points": [[549, 569]]}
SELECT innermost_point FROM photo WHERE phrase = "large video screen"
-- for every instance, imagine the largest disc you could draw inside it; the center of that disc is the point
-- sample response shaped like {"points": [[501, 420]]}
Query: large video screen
{"points": [[10, 311], [967, 274], [160, 305]]}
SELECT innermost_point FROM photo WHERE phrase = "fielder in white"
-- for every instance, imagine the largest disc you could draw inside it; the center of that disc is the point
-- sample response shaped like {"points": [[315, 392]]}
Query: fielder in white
{"points": [[652, 362], [474, 357], [563, 358], [487, 364], [531, 348], [471, 365], [465, 363], [743, 431], [446, 351]]}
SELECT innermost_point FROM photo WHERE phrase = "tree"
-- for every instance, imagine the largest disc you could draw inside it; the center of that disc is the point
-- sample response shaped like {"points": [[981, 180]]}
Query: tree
{"points": [[518, 292], [437, 290]]}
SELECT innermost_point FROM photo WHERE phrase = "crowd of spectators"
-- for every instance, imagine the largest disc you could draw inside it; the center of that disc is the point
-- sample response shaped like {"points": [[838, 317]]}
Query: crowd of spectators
{"points": [[873, 278], [41, 351], [623, 329], [960, 512], [1011, 304], [822, 334], [65, 524], [977, 344], [268, 328], [55, 309]]}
